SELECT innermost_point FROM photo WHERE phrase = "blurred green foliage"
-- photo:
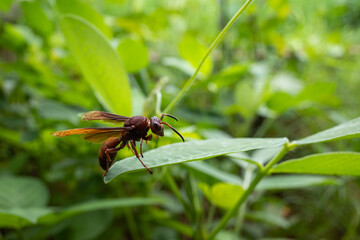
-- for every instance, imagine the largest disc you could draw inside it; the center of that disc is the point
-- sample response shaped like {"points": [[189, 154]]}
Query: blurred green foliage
{"points": [[285, 68]]}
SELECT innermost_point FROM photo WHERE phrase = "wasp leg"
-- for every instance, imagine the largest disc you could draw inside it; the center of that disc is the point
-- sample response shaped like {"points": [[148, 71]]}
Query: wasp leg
{"points": [[141, 152], [108, 159], [148, 138], [128, 145], [133, 144]]}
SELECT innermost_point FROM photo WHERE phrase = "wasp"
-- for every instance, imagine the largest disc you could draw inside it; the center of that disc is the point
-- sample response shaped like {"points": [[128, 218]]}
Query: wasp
{"points": [[114, 139]]}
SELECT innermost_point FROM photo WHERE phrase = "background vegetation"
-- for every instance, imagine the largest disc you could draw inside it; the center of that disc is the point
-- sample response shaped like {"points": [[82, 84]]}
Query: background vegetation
{"points": [[286, 68]]}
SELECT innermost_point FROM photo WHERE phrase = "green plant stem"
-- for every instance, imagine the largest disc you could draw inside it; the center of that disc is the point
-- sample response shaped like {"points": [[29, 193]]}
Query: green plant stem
{"points": [[258, 165], [174, 188], [217, 40], [241, 213], [198, 233], [244, 197], [131, 223], [210, 216]]}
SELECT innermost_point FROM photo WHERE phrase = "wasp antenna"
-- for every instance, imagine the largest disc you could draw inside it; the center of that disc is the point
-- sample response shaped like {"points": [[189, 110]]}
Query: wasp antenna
{"points": [[174, 130], [164, 114]]}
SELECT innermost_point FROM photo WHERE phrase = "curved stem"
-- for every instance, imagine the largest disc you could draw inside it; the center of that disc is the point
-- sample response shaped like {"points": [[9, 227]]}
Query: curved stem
{"points": [[219, 37], [248, 191]]}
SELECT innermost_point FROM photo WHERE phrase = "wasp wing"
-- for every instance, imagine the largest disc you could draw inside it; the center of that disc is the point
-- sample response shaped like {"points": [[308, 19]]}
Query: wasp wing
{"points": [[94, 135], [105, 116]]}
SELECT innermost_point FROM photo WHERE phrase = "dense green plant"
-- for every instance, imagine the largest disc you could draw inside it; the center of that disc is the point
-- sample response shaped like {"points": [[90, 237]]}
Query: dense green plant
{"points": [[284, 69]]}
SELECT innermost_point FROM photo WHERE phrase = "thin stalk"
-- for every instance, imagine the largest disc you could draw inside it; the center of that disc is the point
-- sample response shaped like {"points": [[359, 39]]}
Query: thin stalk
{"points": [[131, 224], [217, 40], [174, 188], [241, 213], [244, 197], [210, 216], [198, 233]]}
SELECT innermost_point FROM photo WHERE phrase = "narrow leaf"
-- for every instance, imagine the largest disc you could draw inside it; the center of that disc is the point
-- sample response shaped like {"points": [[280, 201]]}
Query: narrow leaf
{"points": [[191, 151], [214, 172], [337, 163], [99, 63], [98, 205], [294, 181], [350, 129]]}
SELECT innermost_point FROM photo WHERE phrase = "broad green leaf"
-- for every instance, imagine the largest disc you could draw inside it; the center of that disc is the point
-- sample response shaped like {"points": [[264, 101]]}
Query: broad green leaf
{"points": [[226, 195], [85, 11], [36, 18], [193, 51], [281, 102], [99, 205], [221, 194], [294, 181], [191, 151], [99, 62], [133, 53], [337, 163], [350, 129], [21, 217], [22, 192], [214, 172], [22, 201], [320, 92]]}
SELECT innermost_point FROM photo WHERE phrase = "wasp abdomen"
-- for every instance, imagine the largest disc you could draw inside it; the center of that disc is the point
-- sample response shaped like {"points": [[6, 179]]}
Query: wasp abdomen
{"points": [[106, 146]]}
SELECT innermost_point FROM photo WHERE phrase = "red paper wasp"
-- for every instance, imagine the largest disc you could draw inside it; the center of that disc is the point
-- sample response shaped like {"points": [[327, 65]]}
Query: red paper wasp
{"points": [[134, 129]]}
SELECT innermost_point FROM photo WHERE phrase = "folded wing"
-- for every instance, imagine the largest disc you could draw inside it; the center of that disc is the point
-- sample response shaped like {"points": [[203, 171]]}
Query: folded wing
{"points": [[104, 116], [94, 135]]}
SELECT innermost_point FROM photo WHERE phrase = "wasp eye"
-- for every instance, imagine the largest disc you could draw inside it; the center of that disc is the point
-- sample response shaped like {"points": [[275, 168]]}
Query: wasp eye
{"points": [[157, 126]]}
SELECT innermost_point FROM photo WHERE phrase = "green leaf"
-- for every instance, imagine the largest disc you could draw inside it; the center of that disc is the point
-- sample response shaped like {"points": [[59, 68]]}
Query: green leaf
{"points": [[100, 64], [350, 129], [193, 51], [191, 151], [57, 111], [221, 194], [22, 201], [337, 163], [281, 102], [270, 218], [214, 172], [134, 54], [22, 192], [228, 75], [36, 18], [294, 181], [98, 205], [227, 235], [84, 11], [21, 217], [245, 98]]}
